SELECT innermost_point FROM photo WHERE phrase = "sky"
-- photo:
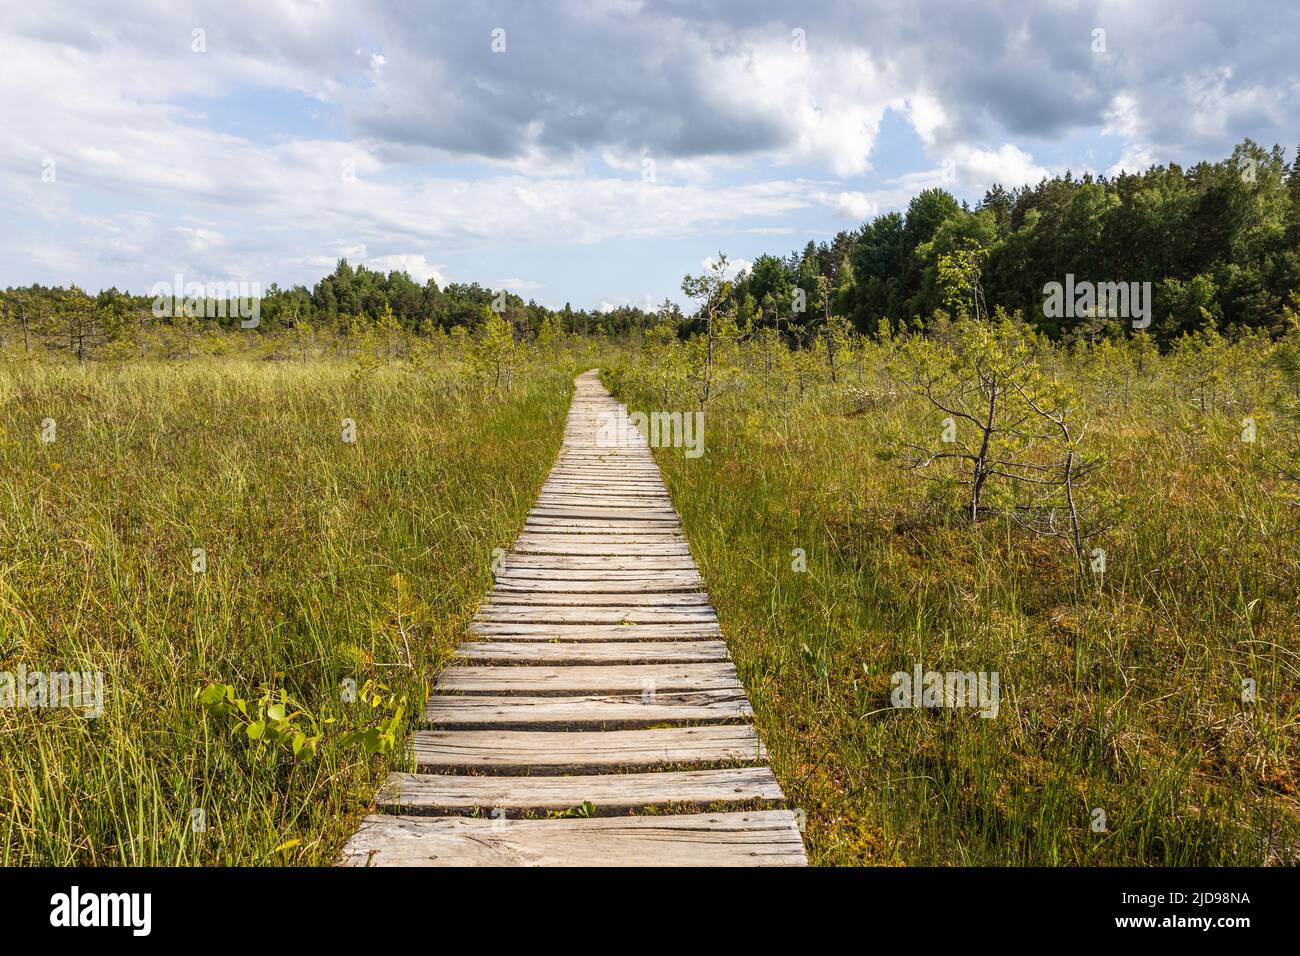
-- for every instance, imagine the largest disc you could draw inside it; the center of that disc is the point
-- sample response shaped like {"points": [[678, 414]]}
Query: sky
{"points": [[590, 152]]}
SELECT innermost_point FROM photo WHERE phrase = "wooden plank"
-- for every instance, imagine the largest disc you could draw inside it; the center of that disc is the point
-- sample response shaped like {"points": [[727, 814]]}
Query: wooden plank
{"points": [[618, 513], [541, 586], [748, 838], [599, 495], [622, 538], [605, 493], [587, 462], [576, 475], [661, 599], [596, 575], [612, 501], [592, 652], [591, 514], [623, 532], [499, 631], [583, 751], [523, 585], [560, 563], [610, 794], [516, 597], [582, 548], [587, 679], [659, 510], [582, 473], [624, 614], [608, 477], [588, 712], [587, 489], [608, 523], [600, 512]]}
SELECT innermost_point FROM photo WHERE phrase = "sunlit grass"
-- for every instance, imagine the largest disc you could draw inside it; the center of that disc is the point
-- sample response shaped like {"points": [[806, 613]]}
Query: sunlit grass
{"points": [[1124, 696], [325, 560]]}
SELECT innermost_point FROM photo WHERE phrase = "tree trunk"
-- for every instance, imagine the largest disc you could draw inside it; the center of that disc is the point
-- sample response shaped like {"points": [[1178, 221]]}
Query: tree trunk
{"points": [[981, 459], [708, 363], [1075, 530]]}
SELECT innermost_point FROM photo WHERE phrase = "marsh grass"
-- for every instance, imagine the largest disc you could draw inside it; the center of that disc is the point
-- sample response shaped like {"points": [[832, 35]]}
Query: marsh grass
{"points": [[325, 561], [1122, 692]]}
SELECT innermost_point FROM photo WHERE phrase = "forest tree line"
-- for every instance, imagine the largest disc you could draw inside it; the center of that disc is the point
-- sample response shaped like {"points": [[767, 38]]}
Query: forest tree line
{"points": [[1219, 242], [349, 302]]}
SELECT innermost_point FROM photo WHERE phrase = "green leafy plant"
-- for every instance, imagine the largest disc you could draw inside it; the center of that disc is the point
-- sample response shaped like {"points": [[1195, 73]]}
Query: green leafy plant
{"points": [[381, 737], [273, 721]]}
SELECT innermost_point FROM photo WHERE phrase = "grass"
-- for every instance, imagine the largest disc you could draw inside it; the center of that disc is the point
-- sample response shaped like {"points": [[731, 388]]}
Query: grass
{"points": [[329, 561], [1124, 695], [325, 560]]}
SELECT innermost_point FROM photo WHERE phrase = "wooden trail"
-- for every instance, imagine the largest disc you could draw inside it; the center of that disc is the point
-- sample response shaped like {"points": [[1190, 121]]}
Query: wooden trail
{"points": [[595, 674]]}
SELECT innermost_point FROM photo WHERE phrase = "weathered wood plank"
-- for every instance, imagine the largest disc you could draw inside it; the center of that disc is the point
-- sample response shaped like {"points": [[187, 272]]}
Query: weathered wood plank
{"points": [[578, 751], [590, 712], [502, 597], [592, 652], [627, 499], [608, 523], [561, 563], [581, 548], [581, 514], [597, 575], [559, 614], [748, 838], [621, 538], [499, 631], [587, 679], [587, 488], [639, 541], [611, 503], [611, 794], [515, 585]]}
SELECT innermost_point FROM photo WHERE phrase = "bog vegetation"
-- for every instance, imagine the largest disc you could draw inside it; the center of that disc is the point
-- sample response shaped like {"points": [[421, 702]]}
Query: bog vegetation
{"points": [[267, 561], [908, 462], [1112, 530]]}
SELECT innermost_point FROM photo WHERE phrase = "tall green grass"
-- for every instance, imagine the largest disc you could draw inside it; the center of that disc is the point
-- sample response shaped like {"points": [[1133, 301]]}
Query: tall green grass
{"points": [[325, 560], [1123, 695]]}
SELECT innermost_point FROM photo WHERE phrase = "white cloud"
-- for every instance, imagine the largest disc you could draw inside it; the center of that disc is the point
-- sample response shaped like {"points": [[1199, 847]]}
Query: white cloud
{"points": [[518, 285], [199, 240], [827, 103], [411, 263], [857, 206], [734, 267], [926, 115], [1134, 159], [1122, 117], [1008, 165]]}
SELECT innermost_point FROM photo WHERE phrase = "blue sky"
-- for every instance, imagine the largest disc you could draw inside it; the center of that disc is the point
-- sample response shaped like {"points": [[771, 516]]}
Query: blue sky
{"points": [[593, 152]]}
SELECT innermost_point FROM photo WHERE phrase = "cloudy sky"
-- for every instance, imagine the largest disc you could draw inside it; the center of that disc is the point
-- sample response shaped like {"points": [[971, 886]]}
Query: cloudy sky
{"points": [[591, 151]]}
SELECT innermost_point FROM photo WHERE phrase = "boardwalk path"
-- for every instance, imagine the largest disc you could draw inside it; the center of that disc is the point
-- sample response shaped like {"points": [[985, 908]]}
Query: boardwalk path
{"points": [[596, 674]]}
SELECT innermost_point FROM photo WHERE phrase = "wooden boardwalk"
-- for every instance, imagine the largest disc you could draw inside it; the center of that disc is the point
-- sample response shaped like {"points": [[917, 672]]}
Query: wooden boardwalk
{"points": [[596, 674]]}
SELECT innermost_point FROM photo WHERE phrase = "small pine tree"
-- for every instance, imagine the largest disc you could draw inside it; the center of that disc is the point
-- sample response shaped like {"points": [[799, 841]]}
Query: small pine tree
{"points": [[493, 354]]}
